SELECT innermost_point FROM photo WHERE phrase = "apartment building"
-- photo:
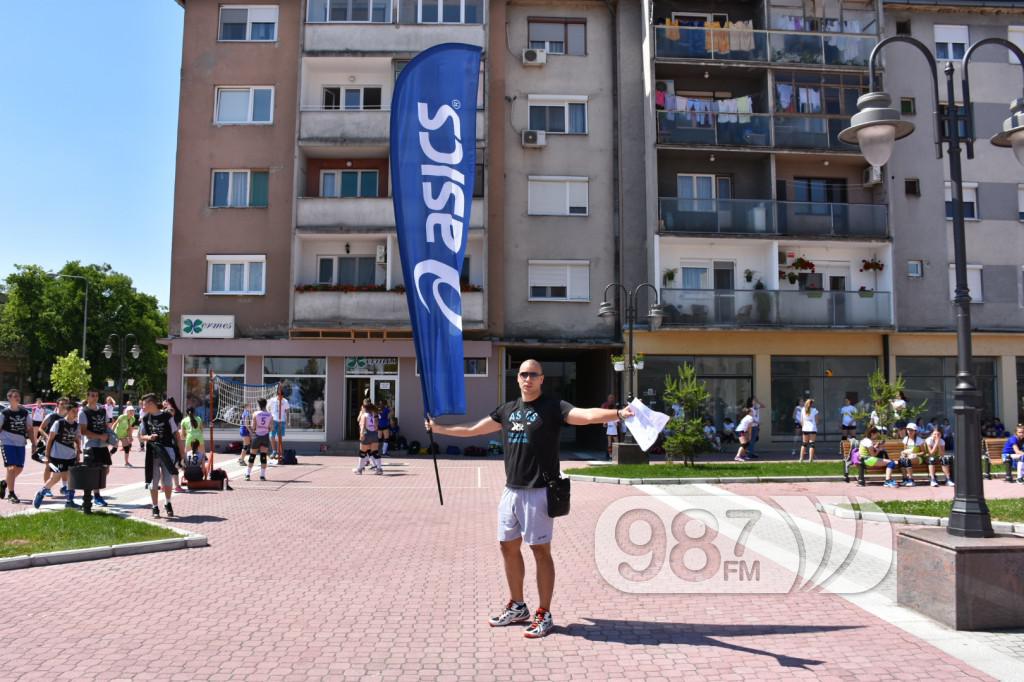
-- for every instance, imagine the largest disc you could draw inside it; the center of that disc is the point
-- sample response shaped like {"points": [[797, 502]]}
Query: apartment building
{"points": [[771, 243], [924, 349], [285, 248]]}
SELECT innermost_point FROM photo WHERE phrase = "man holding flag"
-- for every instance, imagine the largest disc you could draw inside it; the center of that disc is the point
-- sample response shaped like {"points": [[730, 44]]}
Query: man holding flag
{"points": [[530, 428]]}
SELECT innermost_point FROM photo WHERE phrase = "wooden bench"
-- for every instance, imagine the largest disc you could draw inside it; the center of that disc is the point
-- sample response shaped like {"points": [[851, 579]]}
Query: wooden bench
{"points": [[993, 447], [892, 447]]}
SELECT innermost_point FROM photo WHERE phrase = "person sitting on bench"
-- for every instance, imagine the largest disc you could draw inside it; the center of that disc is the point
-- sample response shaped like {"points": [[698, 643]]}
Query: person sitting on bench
{"points": [[913, 452], [871, 453], [935, 453], [1014, 451]]}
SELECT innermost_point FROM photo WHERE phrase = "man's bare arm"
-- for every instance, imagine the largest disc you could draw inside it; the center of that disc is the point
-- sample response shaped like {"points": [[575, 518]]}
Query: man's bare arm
{"points": [[579, 416], [481, 428]]}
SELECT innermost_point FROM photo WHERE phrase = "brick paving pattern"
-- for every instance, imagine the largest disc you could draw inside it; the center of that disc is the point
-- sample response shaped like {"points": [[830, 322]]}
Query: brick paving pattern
{"points": [[322, 574]]}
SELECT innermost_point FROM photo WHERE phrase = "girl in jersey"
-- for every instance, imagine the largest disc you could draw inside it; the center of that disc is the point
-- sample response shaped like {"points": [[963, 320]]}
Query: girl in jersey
{"points": [[913, 451], [243, 431], [368, 425], [871, 453], [935, 453], [808, 429], [383, 427]]}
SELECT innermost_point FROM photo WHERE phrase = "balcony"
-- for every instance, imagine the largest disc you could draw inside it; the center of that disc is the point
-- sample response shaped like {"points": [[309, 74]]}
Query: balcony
{"points": [[767, 217], [763, 47], [760, 131], [370, 309], [361, 37], [774, 308], [362, 127], [362, 212]]}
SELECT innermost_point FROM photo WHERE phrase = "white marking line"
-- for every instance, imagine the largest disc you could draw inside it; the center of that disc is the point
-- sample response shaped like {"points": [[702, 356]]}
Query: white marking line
{"points": [[479, 477], [971, 648]]}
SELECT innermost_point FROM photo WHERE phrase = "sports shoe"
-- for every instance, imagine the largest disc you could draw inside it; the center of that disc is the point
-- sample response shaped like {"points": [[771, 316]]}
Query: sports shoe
{"points": [[169, 509], [909, 483], [12, 498], [1020, 480], [156, 512], [949, 483], [934, 483], [541, 625], [47, 492], [263, 478], [357, 470], [889, 484], [241, 461], [71, 504], [513, 613], [37, 501], [378, 471], [247, 477], [63, 490], [98, 500]]}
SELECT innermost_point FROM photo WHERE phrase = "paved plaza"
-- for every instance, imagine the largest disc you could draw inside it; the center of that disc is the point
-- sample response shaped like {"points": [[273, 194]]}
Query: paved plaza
{"points": [[322, 574]]}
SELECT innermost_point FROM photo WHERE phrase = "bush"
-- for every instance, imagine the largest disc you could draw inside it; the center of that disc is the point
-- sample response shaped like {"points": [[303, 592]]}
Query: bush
{"points": [[686, 437]]}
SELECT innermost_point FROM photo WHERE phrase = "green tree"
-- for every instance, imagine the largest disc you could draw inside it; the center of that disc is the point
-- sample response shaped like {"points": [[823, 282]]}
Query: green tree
{"points": [[70, 375], [882, 394], [42, 319], [686, 430]]}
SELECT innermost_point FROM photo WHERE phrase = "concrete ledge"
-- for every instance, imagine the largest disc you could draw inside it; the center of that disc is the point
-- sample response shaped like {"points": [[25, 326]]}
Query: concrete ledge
{"points": [[194, 541], [704, 481], [15, 562], [133, 548], [70, 556], [909, 519]]}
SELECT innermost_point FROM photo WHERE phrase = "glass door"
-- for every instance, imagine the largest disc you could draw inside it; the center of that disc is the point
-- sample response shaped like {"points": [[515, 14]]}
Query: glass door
{"points": [[385, 388], [696, 202], [837, 285], [725, 292]]}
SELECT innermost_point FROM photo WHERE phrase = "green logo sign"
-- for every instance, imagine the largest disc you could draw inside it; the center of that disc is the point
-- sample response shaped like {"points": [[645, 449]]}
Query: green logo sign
{"points": [[193, 326]]}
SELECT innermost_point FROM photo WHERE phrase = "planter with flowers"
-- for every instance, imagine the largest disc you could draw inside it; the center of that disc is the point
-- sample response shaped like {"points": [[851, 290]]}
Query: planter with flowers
{"points": [[873, 264], [864, 292], [619, 363], [638, 361]]}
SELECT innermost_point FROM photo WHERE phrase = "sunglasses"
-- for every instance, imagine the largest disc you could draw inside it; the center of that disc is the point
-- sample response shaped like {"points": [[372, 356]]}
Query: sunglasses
{"points": [[529, 375]]}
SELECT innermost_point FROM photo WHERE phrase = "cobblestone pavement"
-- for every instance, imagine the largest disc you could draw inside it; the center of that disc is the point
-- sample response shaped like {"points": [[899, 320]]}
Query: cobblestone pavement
{"points": [[319, 573]]}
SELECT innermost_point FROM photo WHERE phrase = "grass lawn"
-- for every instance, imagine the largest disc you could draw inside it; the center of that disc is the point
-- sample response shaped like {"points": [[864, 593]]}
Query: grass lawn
{"points": [[69, 529], [1011, 510], [714, 470]]}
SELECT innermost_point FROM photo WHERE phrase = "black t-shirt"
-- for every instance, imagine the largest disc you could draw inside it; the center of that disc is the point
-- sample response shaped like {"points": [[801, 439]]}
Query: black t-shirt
{"points": [[95, 420], [531, 433], [161, 425], [16, 421]]}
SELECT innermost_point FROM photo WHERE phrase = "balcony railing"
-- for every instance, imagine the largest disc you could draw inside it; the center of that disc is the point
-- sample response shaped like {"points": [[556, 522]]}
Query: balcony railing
{"points": [[764, 216], [791, 131], [774, 308], [370, 308], [318, 124], [362, 212], [775, 47]]}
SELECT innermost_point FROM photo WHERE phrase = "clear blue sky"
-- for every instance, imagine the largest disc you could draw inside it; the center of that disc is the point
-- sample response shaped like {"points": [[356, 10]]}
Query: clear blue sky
{"points": [[88, 128]]}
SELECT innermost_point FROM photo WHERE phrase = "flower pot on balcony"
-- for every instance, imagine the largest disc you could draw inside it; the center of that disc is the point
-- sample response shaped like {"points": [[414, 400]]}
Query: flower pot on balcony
{"points": [[639, 364], [815, 294], [866, 294], [619, 366]]}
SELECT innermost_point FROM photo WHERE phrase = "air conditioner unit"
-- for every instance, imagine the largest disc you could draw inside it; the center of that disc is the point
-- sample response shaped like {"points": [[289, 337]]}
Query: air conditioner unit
{"points": [[872, 176], [382, 254], [534, 57], [535, 138]]}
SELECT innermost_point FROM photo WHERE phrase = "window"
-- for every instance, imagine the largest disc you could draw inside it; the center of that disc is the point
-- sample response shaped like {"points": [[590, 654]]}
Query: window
{"points": [[256, 23], [303, 383], [478, 178], [903, 28], [912, 187], [473, 367], [558, 36], [363, 98], [915, 268], [932, 379], [195, 375], [239, 189], [1020, 202], [970, 201], [695, 276], [245, 105], [356, 271], [558, 114], [450, 11], [235, 275], [950, 41], [1015, 34], [816, 194], [553, 195], [349, 183], [559, 280], [973, 283], [908, 106], [376, 11]]}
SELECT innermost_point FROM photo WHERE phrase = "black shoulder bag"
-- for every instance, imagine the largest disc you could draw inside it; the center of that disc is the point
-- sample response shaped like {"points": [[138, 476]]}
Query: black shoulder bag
{"points": [[558, 495]]}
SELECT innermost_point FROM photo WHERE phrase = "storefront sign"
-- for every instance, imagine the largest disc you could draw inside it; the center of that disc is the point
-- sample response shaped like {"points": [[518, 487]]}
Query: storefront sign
{"points": [[208, 326], [363, 366]]}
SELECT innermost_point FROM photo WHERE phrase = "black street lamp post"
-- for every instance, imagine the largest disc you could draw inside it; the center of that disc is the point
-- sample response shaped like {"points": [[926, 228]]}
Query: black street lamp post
{"points": [[121, 343], [875, 128], [608, 309]]}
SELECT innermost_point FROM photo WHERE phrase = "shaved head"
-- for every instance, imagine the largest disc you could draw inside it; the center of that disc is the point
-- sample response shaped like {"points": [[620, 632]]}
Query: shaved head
{"points": [[531, 366], [530, 378]]}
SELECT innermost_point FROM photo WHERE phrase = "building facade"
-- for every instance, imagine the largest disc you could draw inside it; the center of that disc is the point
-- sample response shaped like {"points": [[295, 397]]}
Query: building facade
{"points": [[284, 231]]}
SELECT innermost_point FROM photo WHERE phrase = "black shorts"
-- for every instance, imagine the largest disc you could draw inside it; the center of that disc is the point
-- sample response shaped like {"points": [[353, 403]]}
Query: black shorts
{"points": [[809, 433], [61, 465], [97, 457], [945, 460]]}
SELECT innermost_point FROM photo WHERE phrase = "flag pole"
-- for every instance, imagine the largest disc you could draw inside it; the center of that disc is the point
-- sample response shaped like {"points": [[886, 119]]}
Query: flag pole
{"points": [[433, 454]]}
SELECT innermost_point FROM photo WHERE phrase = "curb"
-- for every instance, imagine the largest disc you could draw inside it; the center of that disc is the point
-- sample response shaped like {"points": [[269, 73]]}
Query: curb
{"points": [[909, 519], [69, 556], [705, 481]]}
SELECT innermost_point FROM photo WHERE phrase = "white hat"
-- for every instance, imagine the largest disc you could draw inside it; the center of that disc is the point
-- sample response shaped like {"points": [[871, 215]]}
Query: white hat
{"points": [[129, 409], [911, 427]]}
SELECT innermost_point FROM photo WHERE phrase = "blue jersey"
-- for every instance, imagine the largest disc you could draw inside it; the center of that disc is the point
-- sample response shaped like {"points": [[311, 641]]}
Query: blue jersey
{"points": [[384, 419]]}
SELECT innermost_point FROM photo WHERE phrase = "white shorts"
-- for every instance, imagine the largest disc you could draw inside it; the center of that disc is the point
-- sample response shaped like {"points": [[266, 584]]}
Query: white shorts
{"points": [[523, 513], [612, 429]]}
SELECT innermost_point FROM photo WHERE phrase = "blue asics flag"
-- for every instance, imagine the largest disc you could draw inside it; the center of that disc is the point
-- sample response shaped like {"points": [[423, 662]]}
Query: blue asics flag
{"points": [[433, 158]]}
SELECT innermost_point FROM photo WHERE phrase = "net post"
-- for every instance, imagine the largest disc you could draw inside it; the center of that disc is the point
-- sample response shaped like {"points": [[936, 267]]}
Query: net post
{"points": [[433, 454], [210, 417]]}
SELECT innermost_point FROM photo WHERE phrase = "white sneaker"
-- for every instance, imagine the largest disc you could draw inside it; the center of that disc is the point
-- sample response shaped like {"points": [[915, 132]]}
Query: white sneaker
{"points": [[541, 625], [934, 483], [949, 483], [378, 471], [357, 470], [513, 613]]}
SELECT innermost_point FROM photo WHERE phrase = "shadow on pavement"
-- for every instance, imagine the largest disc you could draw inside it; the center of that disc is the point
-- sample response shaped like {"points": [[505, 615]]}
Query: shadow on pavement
{"points": [[196, 518], [698, 634]]}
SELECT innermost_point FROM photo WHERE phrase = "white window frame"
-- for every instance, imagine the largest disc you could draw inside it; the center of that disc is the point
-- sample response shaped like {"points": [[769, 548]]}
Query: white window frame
{"points": [[977, 293], [362, 96], [248, 23], [1015, 34], [915, 268], [970, 190], [336, 269], [337, 172], [252, 99], [565, 101], [947, 34], [705, 265], [569, 297], [231, 181], [567, 181], [229, 260], [389, 14], [564, 22], [440, 12]]}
